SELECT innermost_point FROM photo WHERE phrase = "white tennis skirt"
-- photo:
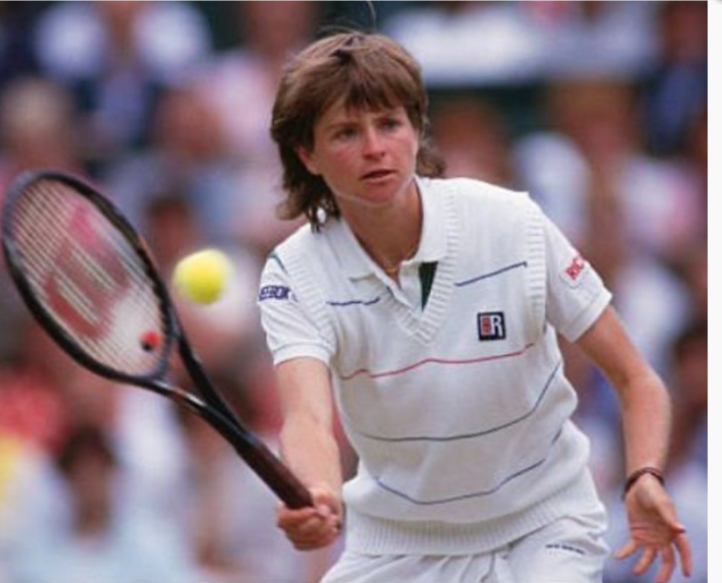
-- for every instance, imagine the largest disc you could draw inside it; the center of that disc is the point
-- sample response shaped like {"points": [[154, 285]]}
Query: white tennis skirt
{"points": [[569, 550]]}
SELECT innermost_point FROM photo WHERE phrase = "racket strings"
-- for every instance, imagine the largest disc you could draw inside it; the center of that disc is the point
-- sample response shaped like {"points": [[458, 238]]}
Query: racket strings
{"points": [[89, 278]]}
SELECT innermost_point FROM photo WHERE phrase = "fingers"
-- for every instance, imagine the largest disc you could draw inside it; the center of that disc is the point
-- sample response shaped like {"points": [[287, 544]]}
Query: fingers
{"points": [[668, 560], [297, 519], [328, 504], [667, 567], [644, 561], [309, 531], [312, 527], [685, 554], [627, 550], [315, 542]]}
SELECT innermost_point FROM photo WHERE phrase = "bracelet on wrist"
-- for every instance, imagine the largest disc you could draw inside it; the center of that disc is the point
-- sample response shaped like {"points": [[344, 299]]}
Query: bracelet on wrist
{"points": [[634, 476]]}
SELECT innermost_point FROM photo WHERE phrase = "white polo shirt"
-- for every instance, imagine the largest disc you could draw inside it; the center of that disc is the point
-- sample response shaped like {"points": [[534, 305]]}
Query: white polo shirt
{"points": [[452, 394]]}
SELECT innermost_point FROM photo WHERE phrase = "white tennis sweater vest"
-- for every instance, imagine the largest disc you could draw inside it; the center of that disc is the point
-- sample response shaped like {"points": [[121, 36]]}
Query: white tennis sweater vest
{"points": [[460, 412]]}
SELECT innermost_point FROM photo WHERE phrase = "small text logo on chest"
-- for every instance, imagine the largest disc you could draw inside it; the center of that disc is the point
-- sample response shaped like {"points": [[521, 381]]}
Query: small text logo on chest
{"points": [[491, 326]]}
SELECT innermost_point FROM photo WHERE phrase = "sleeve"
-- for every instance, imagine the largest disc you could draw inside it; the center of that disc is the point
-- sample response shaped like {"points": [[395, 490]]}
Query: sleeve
{"points": [[290, 330], [576, 294]]}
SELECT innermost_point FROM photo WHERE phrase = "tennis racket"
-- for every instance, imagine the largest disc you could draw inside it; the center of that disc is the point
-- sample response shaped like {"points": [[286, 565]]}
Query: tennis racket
{"points": [[88, 278]]}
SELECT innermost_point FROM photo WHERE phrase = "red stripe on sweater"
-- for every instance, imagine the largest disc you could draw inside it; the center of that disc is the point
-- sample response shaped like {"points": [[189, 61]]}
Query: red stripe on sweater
{"points": [[376, 375]]}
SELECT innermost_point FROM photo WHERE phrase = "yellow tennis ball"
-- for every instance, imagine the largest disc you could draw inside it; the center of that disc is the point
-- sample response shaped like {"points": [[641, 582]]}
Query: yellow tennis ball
{"points": [[203, 276]]}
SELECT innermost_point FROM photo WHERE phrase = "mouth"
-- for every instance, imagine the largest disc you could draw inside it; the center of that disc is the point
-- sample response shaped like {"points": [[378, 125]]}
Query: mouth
{"points": [[375, 175]]}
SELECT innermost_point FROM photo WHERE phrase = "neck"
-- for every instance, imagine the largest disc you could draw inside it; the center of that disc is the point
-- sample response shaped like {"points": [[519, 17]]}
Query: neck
{"points": [[390, 234]]}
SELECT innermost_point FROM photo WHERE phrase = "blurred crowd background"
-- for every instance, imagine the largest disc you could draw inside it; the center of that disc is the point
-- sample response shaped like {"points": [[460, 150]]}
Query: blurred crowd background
{"points": [[598, 109]]}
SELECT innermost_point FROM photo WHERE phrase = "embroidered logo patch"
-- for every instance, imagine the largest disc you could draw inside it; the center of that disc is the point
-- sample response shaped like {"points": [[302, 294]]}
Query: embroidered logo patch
{"points": [[274, 292], [575, 272], [491, 326]]}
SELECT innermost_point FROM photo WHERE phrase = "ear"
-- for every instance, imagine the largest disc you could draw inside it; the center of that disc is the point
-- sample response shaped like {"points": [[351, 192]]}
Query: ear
{"points": [[306, 156]]}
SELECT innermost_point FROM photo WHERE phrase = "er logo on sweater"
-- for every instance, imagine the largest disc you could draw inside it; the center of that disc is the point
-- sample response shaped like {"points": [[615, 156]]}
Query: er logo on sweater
{"points": [[491, 326]]}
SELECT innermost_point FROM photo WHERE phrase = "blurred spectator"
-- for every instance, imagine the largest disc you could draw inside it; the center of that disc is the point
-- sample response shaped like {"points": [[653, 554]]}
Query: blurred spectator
{"points": [[631, 273], [17, 57], [116, 59], [676, 92], [693, 162], [503, 43], [98, 538], [240, 84], [188, 153], [171, 228], [351, 14], [32, 389], [473, 139], [20, 465], [597, 136], [689, 354], [37, 128], [594, 37], [693, 268], [472, 43]]}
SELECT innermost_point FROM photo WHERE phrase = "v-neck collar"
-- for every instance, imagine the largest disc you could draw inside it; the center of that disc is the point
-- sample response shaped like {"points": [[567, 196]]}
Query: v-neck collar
{"points": [[439, 244], [433, 245]]}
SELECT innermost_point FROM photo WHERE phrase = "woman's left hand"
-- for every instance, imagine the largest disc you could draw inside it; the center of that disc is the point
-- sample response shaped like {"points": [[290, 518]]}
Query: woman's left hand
{"points": [[655, 530]]}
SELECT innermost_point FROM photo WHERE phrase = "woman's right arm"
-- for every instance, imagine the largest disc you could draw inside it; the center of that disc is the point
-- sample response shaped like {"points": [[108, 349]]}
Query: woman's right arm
{"points": [[310, 450]]}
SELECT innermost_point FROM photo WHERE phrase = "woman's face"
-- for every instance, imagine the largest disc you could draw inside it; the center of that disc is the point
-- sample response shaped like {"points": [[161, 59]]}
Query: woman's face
{"points": [[367, 158]]}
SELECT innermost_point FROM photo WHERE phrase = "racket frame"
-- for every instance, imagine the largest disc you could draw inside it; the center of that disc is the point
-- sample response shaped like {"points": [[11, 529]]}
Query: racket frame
{"points": [[14, 262], [214, 410]]}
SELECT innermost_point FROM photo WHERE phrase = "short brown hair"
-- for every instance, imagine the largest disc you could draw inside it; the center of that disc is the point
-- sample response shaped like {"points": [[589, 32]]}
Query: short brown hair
{"points": [[363, 71]]}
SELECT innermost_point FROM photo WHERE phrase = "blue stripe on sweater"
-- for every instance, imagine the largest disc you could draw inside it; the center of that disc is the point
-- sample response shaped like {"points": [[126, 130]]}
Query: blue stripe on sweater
{"points": [[354, 303], [462, 497], [476, 434], [492, 274]]}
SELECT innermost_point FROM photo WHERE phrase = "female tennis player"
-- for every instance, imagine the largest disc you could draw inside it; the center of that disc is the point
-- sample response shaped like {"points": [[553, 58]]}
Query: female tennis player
{"points": [[428, 309]]}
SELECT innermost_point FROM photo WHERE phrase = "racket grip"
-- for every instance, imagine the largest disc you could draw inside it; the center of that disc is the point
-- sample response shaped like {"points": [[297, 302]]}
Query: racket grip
{"points": [[290, 489], [274, 473]]}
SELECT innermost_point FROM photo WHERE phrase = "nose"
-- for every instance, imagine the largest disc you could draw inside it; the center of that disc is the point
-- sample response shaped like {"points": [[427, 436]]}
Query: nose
{"points": [[373, 143]]}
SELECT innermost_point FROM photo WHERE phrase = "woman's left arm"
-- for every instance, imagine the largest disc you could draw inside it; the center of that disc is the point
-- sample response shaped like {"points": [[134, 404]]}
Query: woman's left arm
{"points": [[646, 418]]}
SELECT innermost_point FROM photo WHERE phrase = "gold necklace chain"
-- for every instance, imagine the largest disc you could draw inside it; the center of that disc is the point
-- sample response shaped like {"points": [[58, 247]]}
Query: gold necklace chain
{"points": [[393, 271]]}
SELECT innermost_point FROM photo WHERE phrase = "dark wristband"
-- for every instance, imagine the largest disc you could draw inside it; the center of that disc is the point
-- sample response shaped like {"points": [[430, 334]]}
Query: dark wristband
{"points": [[634, 476]]}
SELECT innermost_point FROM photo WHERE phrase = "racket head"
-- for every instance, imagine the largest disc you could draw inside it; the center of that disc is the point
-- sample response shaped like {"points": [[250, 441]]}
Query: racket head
{"points": [[87, 276]]}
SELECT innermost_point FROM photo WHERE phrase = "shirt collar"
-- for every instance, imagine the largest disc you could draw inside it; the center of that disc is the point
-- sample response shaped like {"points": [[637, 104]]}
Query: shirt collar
{"points": [[356, 263]]}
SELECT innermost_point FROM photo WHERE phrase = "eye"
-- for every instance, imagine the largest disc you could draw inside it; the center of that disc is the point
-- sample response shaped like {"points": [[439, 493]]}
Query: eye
{"points": [[390, 123], [345, 133]]}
